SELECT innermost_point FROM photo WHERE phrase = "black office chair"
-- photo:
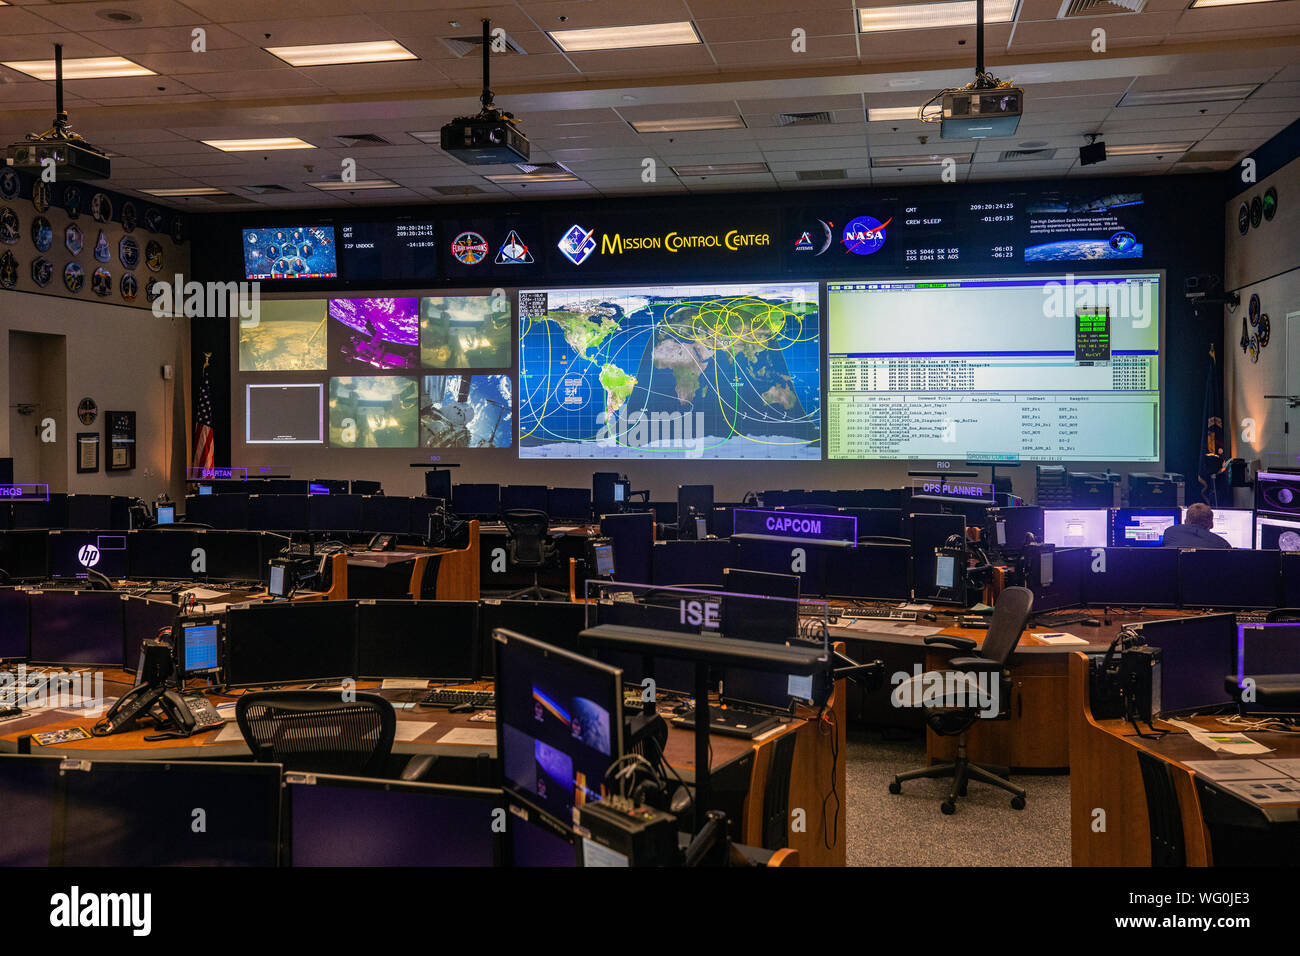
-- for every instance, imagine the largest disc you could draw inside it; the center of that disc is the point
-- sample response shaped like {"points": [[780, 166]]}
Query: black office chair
{"points": [[318, 731], [1164, 817], [530, 547], [1010, 615]]}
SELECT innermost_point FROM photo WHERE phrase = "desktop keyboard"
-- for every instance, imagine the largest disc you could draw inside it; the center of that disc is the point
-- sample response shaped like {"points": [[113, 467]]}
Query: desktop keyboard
{"points": [[1252, 617], [833, 612], [883, 614], [451, 697]]}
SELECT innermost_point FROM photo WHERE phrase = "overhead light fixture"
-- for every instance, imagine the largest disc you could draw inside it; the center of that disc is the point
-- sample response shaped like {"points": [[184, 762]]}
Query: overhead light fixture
{"points": [[253, 145], [1150, 149], [679, 33], [337, 54], [84, 68], [337, 185], [1200, 94], [722, 169], [881, 114], [689, 124], [182, 191], [506, 179], [1202, 4], [934, 159], [928, 16]]}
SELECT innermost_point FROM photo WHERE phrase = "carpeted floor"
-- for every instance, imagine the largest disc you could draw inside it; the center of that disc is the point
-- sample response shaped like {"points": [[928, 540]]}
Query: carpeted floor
{"points": [[908, 829]]}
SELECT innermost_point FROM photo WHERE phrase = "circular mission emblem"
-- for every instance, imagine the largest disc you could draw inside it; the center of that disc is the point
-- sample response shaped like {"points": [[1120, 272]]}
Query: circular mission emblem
{"points": [[469, 248]]}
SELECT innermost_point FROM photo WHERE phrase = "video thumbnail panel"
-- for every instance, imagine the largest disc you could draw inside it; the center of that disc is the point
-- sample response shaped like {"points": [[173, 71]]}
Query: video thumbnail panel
{"points": [[677, 372], [284, 414], [288, 336], [378, 333], [466, 411], [374, 411], [290, 252], [465, 331]]}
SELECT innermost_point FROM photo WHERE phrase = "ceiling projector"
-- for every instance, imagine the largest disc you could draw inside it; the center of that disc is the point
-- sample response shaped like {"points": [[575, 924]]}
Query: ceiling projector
{"points": [[981, 113], [488, 138], [59, 148]]}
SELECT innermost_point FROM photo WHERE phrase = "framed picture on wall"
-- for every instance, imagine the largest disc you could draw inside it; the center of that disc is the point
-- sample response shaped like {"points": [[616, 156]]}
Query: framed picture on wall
{"points": [[121, 440], [87, 452]]}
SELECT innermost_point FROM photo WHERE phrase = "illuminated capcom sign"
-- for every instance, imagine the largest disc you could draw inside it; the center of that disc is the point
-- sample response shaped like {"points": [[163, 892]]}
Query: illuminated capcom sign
{"points": [[952, 489], [791, 524]]}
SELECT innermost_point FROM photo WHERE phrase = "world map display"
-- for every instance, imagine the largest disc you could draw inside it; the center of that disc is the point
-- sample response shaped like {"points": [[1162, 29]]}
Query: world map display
{"points": [[710, 371]]}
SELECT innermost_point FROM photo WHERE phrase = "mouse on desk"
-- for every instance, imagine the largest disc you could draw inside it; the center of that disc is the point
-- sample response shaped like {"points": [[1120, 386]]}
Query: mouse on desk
{"points": [[930, 616], [463, 709], [1090, 622]]}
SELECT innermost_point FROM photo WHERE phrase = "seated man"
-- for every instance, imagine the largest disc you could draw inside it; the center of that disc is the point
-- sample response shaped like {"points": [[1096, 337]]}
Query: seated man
{"points": [[1195, 531]]}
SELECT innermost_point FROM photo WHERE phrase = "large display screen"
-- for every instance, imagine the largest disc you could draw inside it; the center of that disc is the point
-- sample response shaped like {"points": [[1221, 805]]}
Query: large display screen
{"points": [[466, 411], [288, 336], [1044, 368], [381, 333], [707, 371], [284, 414], [388, 250], [290, 252]]}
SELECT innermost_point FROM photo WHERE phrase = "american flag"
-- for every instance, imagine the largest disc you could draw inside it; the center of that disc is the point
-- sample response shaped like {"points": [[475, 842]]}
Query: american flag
{"points": [[204, 454]]}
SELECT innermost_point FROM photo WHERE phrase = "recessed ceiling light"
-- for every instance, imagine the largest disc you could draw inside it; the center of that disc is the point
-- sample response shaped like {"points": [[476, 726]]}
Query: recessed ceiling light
{"points": [[1201, 4], [688, 124], [927, 16], [1200, 94], [881, 114], [182, 191], [1150, 149], [508, 178], [83, 68], [934, 159], [627, 38], [336, 54], [117, 16], [722, 169], [337, 185], [252, 145]]}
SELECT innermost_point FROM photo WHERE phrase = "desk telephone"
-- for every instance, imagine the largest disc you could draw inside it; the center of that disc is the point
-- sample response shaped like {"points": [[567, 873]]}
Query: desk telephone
{"points": [[179, 715]]}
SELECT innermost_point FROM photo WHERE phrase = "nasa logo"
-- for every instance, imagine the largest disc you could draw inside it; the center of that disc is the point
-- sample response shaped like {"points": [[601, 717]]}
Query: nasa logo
{"points": [[577, 244], [865, 235], [469, 248], [88, 555]]}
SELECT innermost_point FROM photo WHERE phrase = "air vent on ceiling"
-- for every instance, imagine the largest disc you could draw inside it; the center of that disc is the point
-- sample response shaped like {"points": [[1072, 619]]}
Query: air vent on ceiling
{"points": [[226, 199], [804, 119], [267, 188], [1098, 8], [542, 168], [1210, 156], [805, 175], [1017, 155], [463, 46], [457, 190], [362, 139]]}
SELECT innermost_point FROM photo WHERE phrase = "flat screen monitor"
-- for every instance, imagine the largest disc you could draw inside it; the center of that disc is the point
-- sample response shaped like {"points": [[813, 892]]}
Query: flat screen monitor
{"points": [[603, 558], [1234, 525], [559, 724], [74, 553], [775, 556], [93, 512], [437, 640], [1290, 580], [52, 513], [390, 514], [284, 414], [278, 512], [334, 512], [13, 624], [198, 651], [279, 581], [482, 501], [163, 555], [689, 562], [697, 498], [1060, 383], [1196, 654], [205, 489], [290, 252], [117, 813], [743, 686], [749, 612], [653, 357], [437, 484], [29, 787], [877, 522], [1056, 577], [283, 643], [1266, 649], [535, 842], [530, 497], [929, 532], [232, 555], [569, 504], [1136, 577], [1229, 579], [1278, 493], [765, 583], [557, 623], [77, 627], [1141, 527], [145, 620], [357, 821], [1277, 534], [226, 511], [872, 572], [1013, 528], [1076, 527], [945, 572], [165, 514], [24, 555]]}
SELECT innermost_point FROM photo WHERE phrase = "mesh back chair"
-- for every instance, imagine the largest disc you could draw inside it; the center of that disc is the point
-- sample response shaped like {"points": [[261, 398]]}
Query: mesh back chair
{"points": [[317, 731], [953, 716], [530, 547], [1166, 820]]}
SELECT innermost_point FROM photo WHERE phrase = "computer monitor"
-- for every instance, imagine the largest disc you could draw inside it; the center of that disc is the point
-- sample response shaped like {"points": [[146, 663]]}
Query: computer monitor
{"points": [[29, 789], [928, 533], [1056, 576], [359, 821], [145, 799], [608, 491], [437, 483], [232, 555], [278, 512], [756, 554], [13, 624], [769, 614], [280, 580], [1141, 527], [1076, 527], [530, 497], [226, 511], [334, 512], [1277, 534], [1234, 525], [945, 572], [24, 555], [557, 623], [602, 560], [569, 504], [90, 512], [871, 572], [1267, 649], [559, 724], [1196, 654], [535, 841], [764, 583], [1290, 580], [77, 627], [877, 522], [1138, 577], [1229, 579], [165, 514], [1278, 493], [389, 514], [74, 553], [696, 497], [145, 620], [162, 555], [316, 488], [287, 642], [437, 640], [1013, 528], [198, 650], [689, 562], [482, 501], [364, 487], [205, 489]]}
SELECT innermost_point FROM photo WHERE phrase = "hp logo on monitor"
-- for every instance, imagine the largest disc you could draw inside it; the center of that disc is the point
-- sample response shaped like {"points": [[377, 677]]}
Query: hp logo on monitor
{"points": [[88, 555]]}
